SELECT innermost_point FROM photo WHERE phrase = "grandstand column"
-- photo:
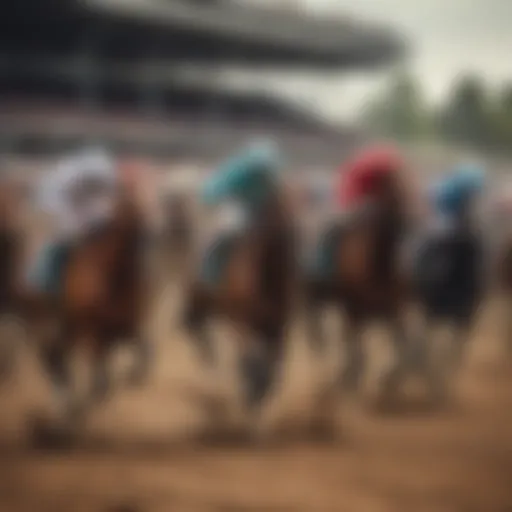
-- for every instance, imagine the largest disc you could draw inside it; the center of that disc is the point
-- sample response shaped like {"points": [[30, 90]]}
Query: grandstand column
{"points": [[89, 85], [151, 91], [6, 64]]}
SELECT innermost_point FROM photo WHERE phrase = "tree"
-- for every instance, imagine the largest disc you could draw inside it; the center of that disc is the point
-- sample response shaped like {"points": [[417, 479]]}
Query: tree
{"points": [[502, 119], [399, 111], [467, 117]]}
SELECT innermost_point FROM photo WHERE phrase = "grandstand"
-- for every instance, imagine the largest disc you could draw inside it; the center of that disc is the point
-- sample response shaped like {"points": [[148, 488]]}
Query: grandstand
{"points": [[109, 69]]}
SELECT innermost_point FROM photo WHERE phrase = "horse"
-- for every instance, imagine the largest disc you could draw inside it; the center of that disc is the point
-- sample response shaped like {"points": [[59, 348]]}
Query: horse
{"points": [[502, 279], [357, 266], [450, 283], [101, 303], [501, 262], [451, 271], [248, 277], [11, 251]]}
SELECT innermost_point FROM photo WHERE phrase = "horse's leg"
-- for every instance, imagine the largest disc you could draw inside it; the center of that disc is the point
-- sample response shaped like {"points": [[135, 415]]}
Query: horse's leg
{"points": [[402, 365], [314, 302], [143, 358], [101, 383], [507, 313], [458, 343], [7, 347], [355, 357], [54, 357], [195, 321], [259, 366], [423, 361]]}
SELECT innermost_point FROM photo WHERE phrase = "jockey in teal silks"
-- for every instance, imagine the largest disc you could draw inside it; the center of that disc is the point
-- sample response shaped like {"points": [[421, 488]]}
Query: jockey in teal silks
{"points": [[248, 179], [78, 194]]}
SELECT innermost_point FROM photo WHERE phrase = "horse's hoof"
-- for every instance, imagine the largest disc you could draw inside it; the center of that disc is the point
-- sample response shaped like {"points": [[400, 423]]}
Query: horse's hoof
{"points": [[323, 431], [390, 384], [216, 409], [438, 392], [99, 395], [350, 382], [258, 433], [323, 423], [137, 379], [46, 434]]}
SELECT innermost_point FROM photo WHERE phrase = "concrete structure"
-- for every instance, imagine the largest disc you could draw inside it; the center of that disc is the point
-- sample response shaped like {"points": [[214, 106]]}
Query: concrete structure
{"points": [[75, 69], [190, 31]]}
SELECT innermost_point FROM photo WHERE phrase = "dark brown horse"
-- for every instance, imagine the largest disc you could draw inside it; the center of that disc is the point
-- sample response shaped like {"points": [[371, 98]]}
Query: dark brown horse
{"points": [[101, 302], [502, 281], [254, 291], [10, 264], [366, 281]]}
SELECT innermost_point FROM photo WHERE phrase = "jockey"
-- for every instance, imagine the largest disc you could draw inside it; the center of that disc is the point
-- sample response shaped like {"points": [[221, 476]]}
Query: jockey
{"points": [[248, 179], [451, 261], [450, 201], [454, 196], [364, 181], [243, 184], [365, 177], [78, 195]]}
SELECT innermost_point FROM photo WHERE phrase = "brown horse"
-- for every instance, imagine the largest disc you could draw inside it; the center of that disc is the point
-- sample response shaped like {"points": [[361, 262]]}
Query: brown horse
{"points": [[254, 290], [366, 281], [10, 264], [101, 302], [502, 281]]}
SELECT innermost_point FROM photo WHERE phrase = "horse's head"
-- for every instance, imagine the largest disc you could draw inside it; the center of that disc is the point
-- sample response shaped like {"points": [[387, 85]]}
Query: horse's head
{"points": [[275, 213], [11, 198], [127, 215]]}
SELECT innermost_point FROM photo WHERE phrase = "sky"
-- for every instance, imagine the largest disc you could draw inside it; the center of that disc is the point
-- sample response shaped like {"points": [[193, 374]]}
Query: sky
{"points": [[447, 37]]}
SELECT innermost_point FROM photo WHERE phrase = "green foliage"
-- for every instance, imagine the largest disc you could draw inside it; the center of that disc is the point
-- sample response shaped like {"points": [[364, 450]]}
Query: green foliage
{"points": [[472, 115], [466, 118], [400, 111]]}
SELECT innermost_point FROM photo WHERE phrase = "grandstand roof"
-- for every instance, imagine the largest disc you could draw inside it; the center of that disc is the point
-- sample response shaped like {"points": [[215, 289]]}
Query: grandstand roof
{"points": [[188, 30]]}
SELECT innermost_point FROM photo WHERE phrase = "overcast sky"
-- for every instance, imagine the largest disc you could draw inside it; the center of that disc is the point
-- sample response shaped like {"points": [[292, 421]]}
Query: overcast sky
{"points": [[448, 37]]}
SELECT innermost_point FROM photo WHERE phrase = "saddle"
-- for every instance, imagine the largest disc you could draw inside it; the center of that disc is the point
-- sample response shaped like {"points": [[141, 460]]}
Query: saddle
{"points": [[47, 274], [448, 272], [223, 259]]}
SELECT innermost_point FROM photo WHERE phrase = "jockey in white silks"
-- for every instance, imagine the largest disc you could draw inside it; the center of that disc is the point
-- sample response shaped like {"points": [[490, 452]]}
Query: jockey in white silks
{"points": [[78, 194]]}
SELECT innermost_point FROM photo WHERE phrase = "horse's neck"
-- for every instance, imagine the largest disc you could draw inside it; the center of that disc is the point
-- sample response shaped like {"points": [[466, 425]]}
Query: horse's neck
{"points": [[387, 246], [9, 253], [277, 246]]}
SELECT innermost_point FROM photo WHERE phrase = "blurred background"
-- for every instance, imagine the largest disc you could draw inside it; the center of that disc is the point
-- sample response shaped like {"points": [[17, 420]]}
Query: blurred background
{"points": [[194, 79], [182, 83]]}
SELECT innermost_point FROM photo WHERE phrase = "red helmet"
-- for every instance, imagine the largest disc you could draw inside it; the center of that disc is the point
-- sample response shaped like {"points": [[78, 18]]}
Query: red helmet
{"points": [[362, 177]]}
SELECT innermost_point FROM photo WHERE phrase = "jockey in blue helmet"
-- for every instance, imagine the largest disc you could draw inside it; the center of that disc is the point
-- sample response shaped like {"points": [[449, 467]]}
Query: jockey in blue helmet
{"points": [[454, 194], [249, 178]]}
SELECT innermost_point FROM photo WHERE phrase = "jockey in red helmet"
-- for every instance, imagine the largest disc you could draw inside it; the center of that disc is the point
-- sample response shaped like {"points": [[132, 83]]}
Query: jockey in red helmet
{"points": [[367, 176]]}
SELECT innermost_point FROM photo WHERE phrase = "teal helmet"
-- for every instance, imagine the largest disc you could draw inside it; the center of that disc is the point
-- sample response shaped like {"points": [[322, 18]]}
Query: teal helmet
{"points": [[249, 176]]}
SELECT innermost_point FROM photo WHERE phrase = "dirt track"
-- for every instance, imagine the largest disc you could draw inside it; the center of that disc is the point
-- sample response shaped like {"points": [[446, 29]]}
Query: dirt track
{"points": [[135, 454]]}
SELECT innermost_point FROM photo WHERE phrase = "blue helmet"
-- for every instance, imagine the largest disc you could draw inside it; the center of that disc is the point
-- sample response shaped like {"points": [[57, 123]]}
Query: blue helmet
{"points": [[248, 176], [452, 192]]}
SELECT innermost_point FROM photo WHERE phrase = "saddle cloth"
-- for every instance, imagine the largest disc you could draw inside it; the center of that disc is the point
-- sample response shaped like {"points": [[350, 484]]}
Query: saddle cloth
{"points": [[46, 273]]}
